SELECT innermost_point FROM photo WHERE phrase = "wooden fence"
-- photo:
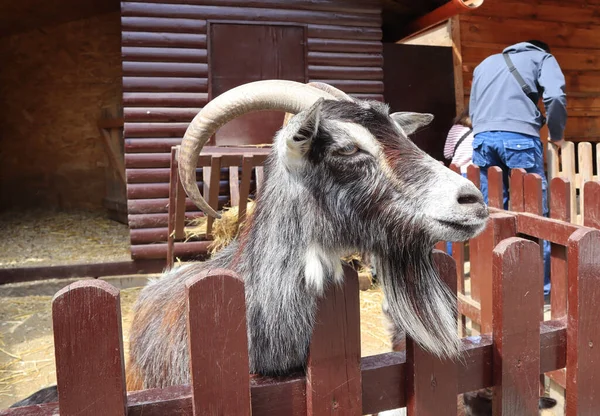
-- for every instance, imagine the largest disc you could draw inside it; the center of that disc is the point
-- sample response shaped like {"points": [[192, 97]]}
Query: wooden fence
{"points": [[578, 168], [518, 348]]}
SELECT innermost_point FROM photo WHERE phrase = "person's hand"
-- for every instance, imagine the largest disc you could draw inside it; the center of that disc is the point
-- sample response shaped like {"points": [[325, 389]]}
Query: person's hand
{"points": [[557, 143]]}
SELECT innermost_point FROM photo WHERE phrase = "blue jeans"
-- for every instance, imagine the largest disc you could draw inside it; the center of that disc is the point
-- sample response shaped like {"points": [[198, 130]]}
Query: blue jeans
{"points": [[509, 150]]}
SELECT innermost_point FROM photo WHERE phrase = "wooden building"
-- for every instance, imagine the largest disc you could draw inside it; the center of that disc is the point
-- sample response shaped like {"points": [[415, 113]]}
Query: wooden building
{"points": [[178, 54], [74, 62], [571, 29]]}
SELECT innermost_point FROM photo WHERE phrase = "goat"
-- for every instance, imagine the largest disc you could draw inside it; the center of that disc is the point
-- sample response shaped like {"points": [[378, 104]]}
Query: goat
{"points": [[342, 177]]}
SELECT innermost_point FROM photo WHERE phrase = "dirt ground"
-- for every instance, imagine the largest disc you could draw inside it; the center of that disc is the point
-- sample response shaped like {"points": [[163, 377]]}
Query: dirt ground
{"points": [[49, 238], [27, 345]]}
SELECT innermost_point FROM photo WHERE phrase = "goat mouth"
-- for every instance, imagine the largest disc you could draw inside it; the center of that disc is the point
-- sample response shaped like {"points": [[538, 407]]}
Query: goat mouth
{"points": [[466, 229]]}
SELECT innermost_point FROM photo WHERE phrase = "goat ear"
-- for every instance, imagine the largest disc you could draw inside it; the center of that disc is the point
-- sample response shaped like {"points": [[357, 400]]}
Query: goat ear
{"points": [[304, 127], [411, 122]]}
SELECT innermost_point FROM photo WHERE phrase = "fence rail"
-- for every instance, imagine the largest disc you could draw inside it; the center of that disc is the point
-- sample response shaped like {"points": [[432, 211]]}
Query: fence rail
{"points": [[91, 379]]}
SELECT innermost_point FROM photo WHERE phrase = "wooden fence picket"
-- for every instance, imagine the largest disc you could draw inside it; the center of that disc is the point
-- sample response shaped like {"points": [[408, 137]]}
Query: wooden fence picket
{"points": [[333, 376], [518, 273], [532, 190], [218, 344], [583, 337], [591, 204], [560, 209], [432, 383], [88, 346], [495, 188]]}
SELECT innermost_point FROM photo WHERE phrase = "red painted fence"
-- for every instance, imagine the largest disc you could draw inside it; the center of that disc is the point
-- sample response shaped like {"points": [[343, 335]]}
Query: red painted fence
{"points": [[89, 353]]}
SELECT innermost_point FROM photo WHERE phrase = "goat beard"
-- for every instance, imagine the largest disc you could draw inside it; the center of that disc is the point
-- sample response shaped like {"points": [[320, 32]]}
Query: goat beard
{"points": [[418, 301]]}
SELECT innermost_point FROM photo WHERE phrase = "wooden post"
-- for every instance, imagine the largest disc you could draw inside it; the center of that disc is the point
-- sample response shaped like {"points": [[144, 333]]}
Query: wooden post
{"points": [[583, 337], [495, 188], [173, 183], [517, 193], [88, 346], [247, 165], [567, 156], [234, 186], [591, 204], [500, 226], [333, 377], [473, 175], [432, 383], [560, 209], [218, 343], [532, 189], [516, 327], [213, 195]]}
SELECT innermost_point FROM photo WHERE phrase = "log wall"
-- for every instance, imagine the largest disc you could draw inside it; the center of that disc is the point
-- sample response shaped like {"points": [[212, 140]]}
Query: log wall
{"points": [[572, 29], [166, 71], [54, 82]]}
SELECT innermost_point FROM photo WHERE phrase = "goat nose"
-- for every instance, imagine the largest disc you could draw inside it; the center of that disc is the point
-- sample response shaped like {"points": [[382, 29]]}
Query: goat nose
{"points": [[469, 195]]}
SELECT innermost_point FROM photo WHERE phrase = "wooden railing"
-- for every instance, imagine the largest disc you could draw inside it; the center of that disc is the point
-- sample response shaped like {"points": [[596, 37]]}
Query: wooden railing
{"points": [[519, 347]]}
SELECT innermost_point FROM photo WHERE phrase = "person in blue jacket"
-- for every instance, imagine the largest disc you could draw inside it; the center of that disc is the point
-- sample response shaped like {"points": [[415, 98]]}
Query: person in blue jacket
{"points": [[507, 121]]}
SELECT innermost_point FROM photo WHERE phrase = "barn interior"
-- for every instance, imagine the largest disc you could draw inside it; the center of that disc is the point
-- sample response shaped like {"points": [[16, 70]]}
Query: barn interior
{"points": [[60, 73]]}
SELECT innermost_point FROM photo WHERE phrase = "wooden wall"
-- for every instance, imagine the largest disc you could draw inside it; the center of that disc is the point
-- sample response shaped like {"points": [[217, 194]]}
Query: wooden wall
{"points": [[53, 83], [571, 28], [165, 80]]}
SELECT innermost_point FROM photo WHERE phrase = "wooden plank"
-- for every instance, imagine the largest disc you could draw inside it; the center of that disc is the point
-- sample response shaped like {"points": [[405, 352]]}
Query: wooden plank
{"points": [[495, 188], [583, 336], [173, 181], [218, 343], [345, 59], [164, 84], [484, 30], [180, 214], [152, 54], [333, 376], [362, 7], [161, 114], [353, 86], [160, 205], [383, 378], [156, 220], [591, 204], [545, 228], [113, 154], [540, 11], [585, 173], [500, 226], [259, 172], [155, 129], [517, 193], [532, 188], [150, 39], [89, 368], [457, 60], [560, 210], [165, 99], [162, 24], [229, 156], [150, 236], [234, 185], [345, 46], [432, 383], [518, 297], [164, 69], [94, 270], [247, 165], [473, 175], [213, 194], [189, 250], [344, 32], [469, 308], [345, 72], [248, 14]]}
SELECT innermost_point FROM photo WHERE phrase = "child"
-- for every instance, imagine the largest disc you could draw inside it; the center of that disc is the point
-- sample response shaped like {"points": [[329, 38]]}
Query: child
{"points": [[459, 142]]}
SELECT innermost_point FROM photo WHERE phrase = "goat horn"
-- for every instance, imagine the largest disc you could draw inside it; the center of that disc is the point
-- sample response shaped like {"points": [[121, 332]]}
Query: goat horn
{"points": [[288, 96], [335, 92]]}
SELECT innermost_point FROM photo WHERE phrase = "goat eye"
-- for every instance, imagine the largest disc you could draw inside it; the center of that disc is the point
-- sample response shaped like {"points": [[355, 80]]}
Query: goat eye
{"points": [[348, 150]]}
